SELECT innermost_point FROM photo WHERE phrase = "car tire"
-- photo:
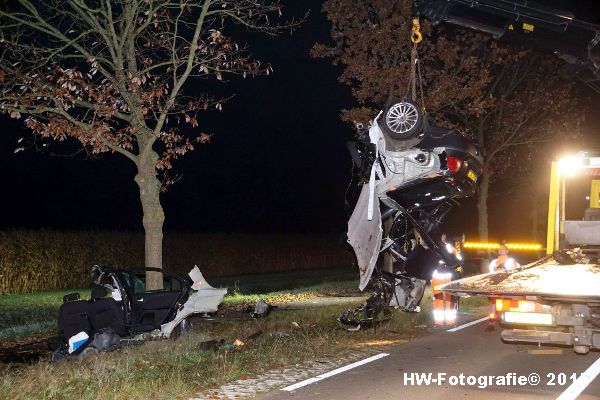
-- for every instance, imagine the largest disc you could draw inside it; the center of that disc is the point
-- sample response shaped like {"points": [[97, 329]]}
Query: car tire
{"points": [[402, 120]]}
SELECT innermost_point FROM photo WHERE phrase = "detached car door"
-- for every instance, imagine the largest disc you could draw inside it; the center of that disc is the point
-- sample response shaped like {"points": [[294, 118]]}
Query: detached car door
{"points": [[152, 308]]}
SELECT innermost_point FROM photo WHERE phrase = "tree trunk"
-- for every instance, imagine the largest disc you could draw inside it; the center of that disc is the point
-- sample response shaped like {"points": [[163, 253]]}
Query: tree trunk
{"points": [[482, 216], [482, 208], [153, 216]]}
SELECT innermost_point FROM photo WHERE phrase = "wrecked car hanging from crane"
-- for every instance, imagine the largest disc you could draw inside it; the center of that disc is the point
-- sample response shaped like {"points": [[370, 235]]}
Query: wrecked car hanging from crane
{"points": [[412, 173]]}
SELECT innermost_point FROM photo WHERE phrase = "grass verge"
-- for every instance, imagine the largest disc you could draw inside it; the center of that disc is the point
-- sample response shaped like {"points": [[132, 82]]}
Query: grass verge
{"points": [[36, 313], [32, 313], [177, 369]]}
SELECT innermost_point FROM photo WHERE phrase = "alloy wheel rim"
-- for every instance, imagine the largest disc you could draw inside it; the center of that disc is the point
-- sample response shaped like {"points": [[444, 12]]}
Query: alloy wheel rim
{"points": [[402, 117]]}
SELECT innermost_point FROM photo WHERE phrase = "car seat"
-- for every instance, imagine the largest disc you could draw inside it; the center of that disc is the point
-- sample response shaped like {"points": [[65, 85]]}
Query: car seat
{"points": [[106, 312], [73, 318]]}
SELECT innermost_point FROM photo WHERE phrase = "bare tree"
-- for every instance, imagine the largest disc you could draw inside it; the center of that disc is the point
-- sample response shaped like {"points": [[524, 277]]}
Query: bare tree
{"points": [[112, 75]]}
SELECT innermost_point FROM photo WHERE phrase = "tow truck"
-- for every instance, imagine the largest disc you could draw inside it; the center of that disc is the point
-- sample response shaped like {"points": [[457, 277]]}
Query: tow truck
{"points": [[555, 300]]}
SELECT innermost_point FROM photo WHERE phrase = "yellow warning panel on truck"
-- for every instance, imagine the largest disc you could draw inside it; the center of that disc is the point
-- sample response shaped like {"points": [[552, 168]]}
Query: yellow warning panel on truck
{"points": [[528, 27], [595, 194]]}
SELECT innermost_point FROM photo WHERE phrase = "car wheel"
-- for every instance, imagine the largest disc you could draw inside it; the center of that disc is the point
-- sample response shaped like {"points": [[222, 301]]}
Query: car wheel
{"points": [[403, 120]]}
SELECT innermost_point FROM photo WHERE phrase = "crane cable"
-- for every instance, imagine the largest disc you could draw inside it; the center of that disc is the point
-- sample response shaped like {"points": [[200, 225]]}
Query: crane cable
{"points": [[415, 71]]}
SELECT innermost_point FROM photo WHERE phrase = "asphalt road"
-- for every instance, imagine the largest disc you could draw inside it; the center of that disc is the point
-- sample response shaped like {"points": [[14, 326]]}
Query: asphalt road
{"points": [[472, 352]]}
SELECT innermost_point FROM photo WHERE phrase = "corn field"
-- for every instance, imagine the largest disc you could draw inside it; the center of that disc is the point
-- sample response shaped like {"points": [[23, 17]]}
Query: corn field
{"points": [[33, 261]]}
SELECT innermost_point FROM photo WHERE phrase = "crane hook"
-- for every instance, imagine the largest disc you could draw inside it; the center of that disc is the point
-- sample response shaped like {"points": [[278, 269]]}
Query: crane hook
{"points": [[416, 35]]}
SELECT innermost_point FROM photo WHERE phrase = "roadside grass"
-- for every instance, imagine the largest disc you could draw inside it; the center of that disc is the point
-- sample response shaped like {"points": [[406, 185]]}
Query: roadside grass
{"points": [[31, 313], [473, 304], [36, 313], [279, 281], [184, 367], [292, 295]]}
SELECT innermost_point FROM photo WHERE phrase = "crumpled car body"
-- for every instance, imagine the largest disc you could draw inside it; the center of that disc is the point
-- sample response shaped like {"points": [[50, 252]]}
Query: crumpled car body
{"points": [[120, 308], [412, 174]]}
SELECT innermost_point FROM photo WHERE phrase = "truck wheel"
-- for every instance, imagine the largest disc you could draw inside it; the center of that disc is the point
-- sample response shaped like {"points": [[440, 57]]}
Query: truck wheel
{"points": [[403, 120], [581, 349]]}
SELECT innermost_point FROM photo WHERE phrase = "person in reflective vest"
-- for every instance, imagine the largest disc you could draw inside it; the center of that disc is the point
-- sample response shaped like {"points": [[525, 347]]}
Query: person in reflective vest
{"points": [[503, 262]]}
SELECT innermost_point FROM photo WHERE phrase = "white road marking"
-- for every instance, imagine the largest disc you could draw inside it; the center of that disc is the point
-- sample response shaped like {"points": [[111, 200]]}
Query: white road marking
{"points": [[582, 382], [334, 372], [458, 328]]}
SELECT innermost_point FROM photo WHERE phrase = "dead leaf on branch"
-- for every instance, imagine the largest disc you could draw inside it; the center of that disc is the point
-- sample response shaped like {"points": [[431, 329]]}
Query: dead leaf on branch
{"points": [[204, 138]]}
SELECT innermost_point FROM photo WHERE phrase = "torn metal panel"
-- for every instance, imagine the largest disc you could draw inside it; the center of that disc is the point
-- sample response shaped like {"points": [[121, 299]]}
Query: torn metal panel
{"points": [[364, 235], [546, 278], [206, 299], [261, 309]]}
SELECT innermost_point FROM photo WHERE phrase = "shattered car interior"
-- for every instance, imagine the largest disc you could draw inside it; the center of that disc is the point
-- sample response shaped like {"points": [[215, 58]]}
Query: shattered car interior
{"points": [[121, 309], [412, 175]]}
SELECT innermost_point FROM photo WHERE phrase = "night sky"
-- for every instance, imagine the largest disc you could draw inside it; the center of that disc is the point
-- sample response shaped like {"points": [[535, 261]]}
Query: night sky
{"points": [[277, 162]]}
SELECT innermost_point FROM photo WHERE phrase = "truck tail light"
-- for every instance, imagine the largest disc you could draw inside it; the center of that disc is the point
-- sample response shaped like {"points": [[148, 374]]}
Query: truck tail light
{"points": [[499, 304], [526, 306], [523, 306], [492, 315]]}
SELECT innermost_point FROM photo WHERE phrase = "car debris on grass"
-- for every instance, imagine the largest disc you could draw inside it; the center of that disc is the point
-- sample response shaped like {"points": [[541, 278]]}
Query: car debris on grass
{"points": [[261, 309], [199, 360], [35, 345]]}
